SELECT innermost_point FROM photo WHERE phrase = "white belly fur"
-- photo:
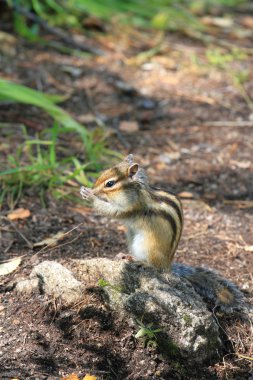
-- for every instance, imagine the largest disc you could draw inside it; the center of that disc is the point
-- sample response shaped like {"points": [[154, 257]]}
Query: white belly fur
{"points": [[138, 247]]}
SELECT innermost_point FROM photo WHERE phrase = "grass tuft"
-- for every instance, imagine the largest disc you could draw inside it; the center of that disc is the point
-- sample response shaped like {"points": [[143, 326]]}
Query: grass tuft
{"points": [[41, 162]]}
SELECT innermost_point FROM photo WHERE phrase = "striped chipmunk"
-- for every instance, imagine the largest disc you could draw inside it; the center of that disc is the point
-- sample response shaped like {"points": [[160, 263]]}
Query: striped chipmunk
{"points": [[154, 222]]}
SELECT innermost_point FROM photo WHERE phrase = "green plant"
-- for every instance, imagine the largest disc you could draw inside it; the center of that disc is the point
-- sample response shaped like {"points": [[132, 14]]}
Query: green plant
{"points": [[188, 320], [38, 164], [239, 79], [103, 284], [22, 94], [225, 61], [161, 14], [221, 58], [148, 334], [54, 12]]}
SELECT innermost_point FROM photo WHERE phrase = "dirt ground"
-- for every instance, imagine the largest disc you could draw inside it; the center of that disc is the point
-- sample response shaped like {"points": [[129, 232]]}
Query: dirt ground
{"points": [[171, 101]]}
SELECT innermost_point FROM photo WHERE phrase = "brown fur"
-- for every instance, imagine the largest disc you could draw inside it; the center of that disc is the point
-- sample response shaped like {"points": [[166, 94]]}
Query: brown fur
{"points": [[153, 214]]}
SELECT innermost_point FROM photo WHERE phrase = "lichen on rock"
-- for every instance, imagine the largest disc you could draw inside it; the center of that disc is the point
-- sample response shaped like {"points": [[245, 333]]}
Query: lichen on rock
{"points": [[138, 292]]}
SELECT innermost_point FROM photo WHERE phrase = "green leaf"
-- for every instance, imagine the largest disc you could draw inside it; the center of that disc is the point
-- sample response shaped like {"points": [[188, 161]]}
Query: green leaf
{"points": [[21, 94]]}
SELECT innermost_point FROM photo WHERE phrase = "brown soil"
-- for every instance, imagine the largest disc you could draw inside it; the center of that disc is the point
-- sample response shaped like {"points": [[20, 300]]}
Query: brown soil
{"points": [[172, 99]]}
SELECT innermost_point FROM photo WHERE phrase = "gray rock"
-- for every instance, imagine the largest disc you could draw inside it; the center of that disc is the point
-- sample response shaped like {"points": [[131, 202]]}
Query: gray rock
{"points": [[54, 280], [169, 303], [141, 295]]}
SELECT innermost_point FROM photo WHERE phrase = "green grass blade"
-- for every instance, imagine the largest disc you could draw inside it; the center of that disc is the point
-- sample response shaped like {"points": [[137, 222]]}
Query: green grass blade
{"points": [[21, 94]]}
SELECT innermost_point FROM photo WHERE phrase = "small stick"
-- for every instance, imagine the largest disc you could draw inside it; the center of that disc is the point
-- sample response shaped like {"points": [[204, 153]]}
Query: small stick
{"points": [[227, 123], [65, 234], [9, 247], [67, 242], [30, 245]]}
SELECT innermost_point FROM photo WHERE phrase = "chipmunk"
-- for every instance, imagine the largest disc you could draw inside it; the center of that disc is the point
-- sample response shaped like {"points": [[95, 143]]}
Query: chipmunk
{"points": [[154, 222]]}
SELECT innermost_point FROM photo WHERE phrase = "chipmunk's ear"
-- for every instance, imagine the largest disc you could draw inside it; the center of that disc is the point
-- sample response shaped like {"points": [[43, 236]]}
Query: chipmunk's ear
{"points": [[132, 170], [129, 159]]}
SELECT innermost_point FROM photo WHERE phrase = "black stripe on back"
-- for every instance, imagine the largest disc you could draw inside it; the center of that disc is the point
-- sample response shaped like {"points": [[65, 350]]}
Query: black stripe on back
{"points": [[170, 219], [148, 213], [170, 202]]}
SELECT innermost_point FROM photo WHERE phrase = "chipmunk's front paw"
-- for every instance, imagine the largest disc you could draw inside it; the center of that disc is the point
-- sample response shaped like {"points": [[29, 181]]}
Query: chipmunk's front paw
{"points": [[86, 193]]}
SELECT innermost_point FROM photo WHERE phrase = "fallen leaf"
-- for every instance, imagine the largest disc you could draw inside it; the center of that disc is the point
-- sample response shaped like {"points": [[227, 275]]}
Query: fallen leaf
{"points": [[121, 228], [241, 164], [161, 166], [19, 213], [167, 158], [9, 266], [247, 21], [72, 376], [129, 126], [221, 22], [81, 210], [8, 44], [89, 377], [186, 194], [86, 118], [248, 248], [52, 241]]}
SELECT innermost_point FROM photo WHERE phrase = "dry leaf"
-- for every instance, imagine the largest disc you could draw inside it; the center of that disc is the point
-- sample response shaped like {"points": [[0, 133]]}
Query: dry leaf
{"points": [[9, 266], [221, 22], [241, 164], [186, 194], [129, 126], [167, 158], [72, 376], [89, 377], [81, 210], [121, 228], [52, 241], [19, 213], [161, 166], [247, 21], [8, 44], [248, 248], [87, 118]]}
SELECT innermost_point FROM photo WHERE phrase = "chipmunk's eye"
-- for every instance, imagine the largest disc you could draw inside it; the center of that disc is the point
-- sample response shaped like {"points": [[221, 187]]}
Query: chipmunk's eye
{"points": [[110, 183]]}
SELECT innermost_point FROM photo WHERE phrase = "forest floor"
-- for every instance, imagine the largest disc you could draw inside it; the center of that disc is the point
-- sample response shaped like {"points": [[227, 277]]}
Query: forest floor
{"points": [[188, 122]]}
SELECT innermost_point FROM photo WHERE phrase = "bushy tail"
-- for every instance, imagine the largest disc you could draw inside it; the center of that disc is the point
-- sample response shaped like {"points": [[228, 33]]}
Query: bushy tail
{"points": [[213, 287]]}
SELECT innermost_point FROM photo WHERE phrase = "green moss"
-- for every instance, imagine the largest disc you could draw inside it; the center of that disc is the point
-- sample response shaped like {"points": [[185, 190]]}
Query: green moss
{"points": [[103, 284], [187, 319], [179, 368]]}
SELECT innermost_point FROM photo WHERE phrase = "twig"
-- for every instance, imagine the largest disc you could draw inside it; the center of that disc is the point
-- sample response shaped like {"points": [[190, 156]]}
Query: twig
{"points": [[30, 245], [66, 233], [56, 31], [9, 247], [67, 242], [239, 203], [227, 123], [245, 357]]}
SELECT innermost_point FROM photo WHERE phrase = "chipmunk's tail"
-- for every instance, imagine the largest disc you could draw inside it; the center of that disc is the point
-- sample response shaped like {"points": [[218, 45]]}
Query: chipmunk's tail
{"points": [[212, 287]]}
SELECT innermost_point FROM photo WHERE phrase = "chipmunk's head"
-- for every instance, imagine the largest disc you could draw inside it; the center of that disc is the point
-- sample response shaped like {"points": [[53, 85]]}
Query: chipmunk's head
{"points": [[121, 184]]}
